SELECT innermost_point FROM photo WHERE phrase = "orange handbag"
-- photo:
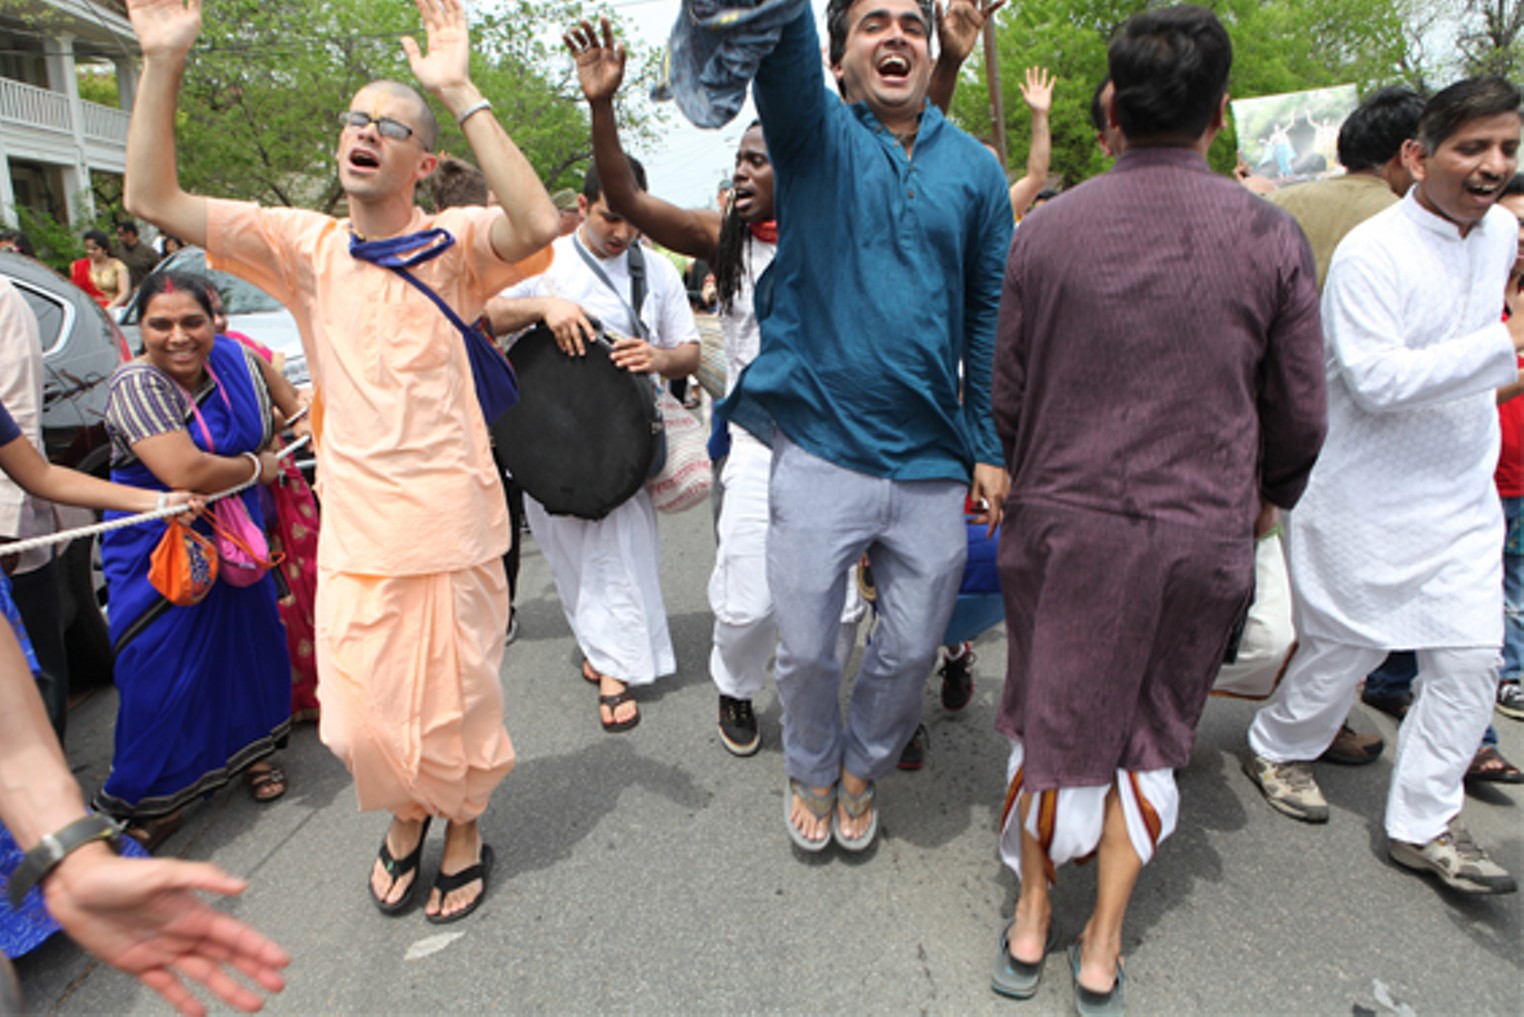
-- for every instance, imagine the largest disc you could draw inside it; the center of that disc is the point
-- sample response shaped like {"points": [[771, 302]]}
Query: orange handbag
{"points": [[184, 565]]}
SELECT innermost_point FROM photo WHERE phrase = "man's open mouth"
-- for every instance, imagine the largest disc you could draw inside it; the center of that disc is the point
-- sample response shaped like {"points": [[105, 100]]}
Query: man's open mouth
{"points": [[894, 65], [362, 159]]}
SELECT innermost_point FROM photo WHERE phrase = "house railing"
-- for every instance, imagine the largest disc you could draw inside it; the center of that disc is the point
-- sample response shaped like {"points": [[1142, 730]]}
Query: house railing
{"points": [[102, 123], [35, 107]]}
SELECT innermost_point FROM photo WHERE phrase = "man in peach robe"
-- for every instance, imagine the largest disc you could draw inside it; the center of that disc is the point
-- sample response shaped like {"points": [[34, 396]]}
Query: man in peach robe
{"points": [[412, 602]]}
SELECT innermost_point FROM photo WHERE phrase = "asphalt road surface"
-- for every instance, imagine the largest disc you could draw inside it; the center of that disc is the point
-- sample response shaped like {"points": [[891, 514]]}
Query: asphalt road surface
{"points": [[650, 872]]}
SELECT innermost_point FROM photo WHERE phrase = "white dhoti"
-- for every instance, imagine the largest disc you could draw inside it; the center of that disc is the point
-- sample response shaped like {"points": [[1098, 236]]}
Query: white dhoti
{"points": [[608, 575], [1067, 822], [745, 635], [1453, 695]]}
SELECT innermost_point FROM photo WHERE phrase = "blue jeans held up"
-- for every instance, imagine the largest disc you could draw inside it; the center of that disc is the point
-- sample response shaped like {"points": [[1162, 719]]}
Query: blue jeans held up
{"points": [[823, 518]]}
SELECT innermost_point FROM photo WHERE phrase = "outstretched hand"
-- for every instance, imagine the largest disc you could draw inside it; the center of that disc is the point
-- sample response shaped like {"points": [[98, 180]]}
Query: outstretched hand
{"points": [[447, 63], [1037, 90], [959, 23], [141, 917], [165, 27], [600, 63]]}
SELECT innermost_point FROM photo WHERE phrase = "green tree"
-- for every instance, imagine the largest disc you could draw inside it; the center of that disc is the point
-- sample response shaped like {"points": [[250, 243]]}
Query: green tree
{"points": [[266, 82], [1278, 46], [1489, 39]]}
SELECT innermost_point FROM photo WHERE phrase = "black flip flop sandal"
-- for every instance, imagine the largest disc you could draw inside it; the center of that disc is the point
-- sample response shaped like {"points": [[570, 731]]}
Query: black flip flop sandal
{"points": [[396, 870], [482, 870]]}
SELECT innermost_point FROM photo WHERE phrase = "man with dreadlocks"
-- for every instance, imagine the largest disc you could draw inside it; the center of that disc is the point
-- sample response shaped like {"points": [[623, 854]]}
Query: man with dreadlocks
{"points": [[739, 244]]}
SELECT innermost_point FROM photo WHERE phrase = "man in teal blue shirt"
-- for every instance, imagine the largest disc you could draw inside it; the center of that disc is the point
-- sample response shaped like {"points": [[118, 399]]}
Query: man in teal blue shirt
{"points": [[872, 384]]}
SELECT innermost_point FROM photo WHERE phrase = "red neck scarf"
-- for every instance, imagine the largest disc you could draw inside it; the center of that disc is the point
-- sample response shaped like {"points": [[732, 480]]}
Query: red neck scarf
{"points": [[767, 231]]}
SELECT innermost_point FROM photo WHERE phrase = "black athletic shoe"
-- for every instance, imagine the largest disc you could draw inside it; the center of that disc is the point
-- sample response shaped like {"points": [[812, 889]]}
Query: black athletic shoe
{"points": [[914, 755], [738, 727], [957, 680]]}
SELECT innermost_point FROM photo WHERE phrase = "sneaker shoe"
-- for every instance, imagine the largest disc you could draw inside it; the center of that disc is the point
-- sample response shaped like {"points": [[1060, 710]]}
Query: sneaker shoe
{"points": [[513, 626], [913, 757], [1350, 748], [1457, 859], [1288, 787], [1511, 700], [738, 727], [957, 680]]}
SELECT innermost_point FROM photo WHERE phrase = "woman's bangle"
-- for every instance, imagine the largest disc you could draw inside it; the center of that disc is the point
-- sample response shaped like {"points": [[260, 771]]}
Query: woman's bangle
{"points": [[163, 501], [259, 467], [471, 111]]}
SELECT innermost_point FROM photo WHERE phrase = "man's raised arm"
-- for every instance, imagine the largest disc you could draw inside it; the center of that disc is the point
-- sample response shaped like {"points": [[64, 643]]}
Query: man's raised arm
{"points": [[165, 29], [600, 70], [529, 221]]}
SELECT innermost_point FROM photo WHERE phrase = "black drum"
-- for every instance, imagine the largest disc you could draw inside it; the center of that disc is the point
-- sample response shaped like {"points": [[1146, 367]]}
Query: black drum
{"points": [[584, 435]]}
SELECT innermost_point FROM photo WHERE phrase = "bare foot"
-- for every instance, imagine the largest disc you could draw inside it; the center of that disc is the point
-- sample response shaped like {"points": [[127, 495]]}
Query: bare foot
{"points": [[463, 845], [815, 829], [401, 841], [854, 829]]}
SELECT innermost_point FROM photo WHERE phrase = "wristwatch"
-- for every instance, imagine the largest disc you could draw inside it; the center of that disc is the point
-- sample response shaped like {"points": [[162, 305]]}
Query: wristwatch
{"points": [[55, 847]]}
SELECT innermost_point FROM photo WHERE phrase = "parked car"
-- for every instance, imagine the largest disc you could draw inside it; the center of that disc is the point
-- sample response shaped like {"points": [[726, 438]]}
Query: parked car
{"points": [[81, 346], [250, 309]]}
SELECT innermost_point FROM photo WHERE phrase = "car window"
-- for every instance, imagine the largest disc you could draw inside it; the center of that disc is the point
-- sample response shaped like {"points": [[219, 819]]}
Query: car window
{"points": [[50, 315], [238, 297]]}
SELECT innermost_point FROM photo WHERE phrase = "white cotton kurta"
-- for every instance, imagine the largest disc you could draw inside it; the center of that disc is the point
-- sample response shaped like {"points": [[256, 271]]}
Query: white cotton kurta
{"points": [[1395, 543], [608, 572]]}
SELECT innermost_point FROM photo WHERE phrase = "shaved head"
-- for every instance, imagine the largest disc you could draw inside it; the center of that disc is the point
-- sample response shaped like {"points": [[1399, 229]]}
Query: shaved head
{"points": [[424, 123]]}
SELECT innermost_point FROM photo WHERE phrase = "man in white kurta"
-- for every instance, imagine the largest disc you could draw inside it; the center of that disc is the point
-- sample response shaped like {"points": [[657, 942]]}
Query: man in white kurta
{"points": [[607, 571], [1394, 543]]}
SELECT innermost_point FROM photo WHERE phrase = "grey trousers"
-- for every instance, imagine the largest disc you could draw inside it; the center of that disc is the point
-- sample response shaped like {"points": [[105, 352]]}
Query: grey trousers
{"points": [[822, 519]]}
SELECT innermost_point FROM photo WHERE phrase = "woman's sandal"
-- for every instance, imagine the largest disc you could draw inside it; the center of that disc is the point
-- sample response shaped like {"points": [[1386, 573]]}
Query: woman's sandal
{"points": [[614, 702], [396, 870], [855, 806], [819, 806], [150, 833], [266, 782]]}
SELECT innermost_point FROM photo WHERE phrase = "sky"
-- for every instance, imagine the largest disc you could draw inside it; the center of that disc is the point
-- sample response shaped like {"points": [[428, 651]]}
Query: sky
{"points": [[686, 167]]}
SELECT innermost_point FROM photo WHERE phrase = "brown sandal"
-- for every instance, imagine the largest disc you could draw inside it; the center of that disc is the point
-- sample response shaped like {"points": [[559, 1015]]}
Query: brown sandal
{"points": [[614, 702], [266, 781], [1489, 766], [150, 833]]}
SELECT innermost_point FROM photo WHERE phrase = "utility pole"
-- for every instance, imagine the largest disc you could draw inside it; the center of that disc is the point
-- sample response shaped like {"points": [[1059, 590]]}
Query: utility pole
{"points": [[997, 102]]}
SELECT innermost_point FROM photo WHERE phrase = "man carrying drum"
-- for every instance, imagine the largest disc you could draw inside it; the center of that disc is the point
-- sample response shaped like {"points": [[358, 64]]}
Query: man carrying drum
{"points": [[607, 570], [410, 615]]}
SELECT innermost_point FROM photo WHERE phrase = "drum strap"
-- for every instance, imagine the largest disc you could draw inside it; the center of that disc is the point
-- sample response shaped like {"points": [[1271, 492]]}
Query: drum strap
{"points": [[637, 266]]}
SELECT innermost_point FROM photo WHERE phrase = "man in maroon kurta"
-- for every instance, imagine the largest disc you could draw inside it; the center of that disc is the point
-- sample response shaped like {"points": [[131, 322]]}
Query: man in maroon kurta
{"points": [[1158, 379]]}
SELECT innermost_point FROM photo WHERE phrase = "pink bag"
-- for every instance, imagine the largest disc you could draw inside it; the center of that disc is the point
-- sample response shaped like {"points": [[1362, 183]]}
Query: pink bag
{"points": [[241, 546]]}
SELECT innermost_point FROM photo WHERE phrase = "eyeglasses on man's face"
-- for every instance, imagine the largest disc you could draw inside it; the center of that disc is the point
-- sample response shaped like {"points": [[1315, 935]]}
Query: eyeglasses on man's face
{"points": [[396, 130]]}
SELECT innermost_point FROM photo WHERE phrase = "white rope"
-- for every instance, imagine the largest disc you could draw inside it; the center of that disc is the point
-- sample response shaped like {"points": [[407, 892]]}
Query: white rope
{"points": [[64, 536]]}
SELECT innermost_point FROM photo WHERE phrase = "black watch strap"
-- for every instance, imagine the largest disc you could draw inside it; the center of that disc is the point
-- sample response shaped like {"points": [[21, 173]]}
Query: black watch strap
{"points": [[54, 848]]}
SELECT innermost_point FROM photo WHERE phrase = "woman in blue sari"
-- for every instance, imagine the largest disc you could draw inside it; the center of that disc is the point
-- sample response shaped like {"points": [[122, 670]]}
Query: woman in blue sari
{"points": [[23, 928], [205, 690]]}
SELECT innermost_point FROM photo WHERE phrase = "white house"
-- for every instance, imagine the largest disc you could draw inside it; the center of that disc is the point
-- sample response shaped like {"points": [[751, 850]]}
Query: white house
{"points": [[50, 139]]}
